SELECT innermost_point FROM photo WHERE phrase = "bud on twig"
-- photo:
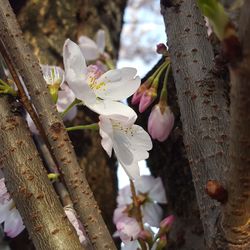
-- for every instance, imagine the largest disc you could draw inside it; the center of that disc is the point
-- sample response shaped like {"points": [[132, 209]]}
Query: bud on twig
{"points": [[216, 191]]}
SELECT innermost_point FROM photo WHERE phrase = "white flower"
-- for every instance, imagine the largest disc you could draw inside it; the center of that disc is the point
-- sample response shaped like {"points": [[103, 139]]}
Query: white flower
{"points": [[152, 191], [100, 92], [52, 74], [91, 49], [13, 223], [130, 142]]}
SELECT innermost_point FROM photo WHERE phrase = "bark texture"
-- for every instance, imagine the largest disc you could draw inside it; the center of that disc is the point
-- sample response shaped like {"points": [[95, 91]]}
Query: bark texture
{"points": [[28, 183], [46, 25], [28, 67], [235, 220], [203, 106]]}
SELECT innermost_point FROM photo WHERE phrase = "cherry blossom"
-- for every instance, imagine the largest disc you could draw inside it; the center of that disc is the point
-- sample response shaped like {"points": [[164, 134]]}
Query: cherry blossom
{"points": [[92, 49], [150, 192], [71, 214], [13, 223], [130, 142], [160, 122], [128, 229], [99, 91]]}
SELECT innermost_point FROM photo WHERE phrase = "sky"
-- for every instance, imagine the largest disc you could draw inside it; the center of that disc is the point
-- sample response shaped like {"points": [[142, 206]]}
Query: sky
{"points": [[141, 34]]}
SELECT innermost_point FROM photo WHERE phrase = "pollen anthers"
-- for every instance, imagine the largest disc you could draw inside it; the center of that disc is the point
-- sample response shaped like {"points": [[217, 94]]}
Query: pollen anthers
{"points": [[121, 127]]}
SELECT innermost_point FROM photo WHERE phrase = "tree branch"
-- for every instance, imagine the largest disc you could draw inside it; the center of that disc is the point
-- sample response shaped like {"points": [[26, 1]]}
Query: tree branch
{"points": [[28, 67], [202, 103], [29, 186]]}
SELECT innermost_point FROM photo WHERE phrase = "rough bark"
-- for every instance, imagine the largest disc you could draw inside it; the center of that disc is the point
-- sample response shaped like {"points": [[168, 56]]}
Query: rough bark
{"points": [[28, 67], [236, 212], [203, 106], [28, 183], [46, 25]]}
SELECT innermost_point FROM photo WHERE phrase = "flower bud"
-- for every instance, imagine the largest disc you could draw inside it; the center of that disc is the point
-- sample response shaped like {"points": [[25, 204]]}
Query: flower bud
{"points": [[166, 223], [160, 122], [216, 191], [147, 99], [161, 49], [138, 94], [146, 236]]}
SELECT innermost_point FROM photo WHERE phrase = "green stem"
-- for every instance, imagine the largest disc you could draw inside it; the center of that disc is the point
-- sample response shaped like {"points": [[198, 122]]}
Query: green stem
{"points": [[163, 97], [75, 102], [152, 77], [109, 63], [157, 77], [93, 126]]}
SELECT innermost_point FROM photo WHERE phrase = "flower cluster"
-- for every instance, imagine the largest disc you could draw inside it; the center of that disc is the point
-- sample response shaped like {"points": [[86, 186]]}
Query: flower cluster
{"points": [[102, 92], [161, 119], [150, 193]]}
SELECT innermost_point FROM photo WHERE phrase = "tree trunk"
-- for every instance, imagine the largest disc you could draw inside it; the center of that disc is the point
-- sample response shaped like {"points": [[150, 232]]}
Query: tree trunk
{"points": [[203, 106]]}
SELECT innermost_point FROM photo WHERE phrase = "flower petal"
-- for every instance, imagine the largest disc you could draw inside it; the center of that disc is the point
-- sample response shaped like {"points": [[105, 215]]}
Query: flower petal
{"points": [[152, 214], [132, 170], [53, 74], [117, 84], [100, 40], [13, 225], [76, 72], [88, 47], [106, 133], [114, 110]]}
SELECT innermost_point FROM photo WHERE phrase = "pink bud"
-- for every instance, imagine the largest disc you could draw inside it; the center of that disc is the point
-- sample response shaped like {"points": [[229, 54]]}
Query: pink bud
{"points": [[162, 242], [166, 223], [138, 94], [161, 48], [147, 99], [160, 122]]}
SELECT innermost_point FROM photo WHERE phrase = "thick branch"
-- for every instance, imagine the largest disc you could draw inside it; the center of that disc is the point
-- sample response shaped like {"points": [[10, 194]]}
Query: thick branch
{"points": [[28, 67], [203, 106], [27, 181], [236, 221]]}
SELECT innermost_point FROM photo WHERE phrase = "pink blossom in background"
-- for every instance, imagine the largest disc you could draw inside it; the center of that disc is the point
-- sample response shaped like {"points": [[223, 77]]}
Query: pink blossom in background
{"points": [[92, 49], [13, 223], [128, 229], [160, 123], [71, 214]]}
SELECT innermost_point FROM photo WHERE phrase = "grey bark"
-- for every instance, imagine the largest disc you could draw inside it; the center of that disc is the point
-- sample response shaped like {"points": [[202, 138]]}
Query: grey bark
{"points": [[203, 106]]}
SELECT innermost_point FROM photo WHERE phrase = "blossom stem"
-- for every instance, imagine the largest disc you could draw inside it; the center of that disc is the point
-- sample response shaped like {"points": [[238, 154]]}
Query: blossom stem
{"points": [[152, 77], [159, 73], [93, 126], [163, 97], [75, 102], [136, 204]]}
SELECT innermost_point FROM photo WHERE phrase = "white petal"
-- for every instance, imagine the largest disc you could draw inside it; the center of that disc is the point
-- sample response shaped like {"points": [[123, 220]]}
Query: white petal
{"points": [[114, 110], [100, 40], [152, 214], [132, 245], [124, 196], [132, 170], [152, 186], [117, 84], [88, 47], [106, 133], [5, 210], [65, 98], [157, 192], [53, 74], [14, 224], [75, 72]]}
